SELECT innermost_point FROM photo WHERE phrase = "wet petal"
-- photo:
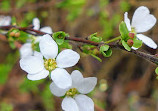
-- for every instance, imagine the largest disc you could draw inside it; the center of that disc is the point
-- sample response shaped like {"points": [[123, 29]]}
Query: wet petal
{"points": [[32, 64], [146, 40], [69, 104], [84, 103], [61, 78], [127, 21], [48, 47], [38, 76], [56, 90], [67, 58], [142, 19]]}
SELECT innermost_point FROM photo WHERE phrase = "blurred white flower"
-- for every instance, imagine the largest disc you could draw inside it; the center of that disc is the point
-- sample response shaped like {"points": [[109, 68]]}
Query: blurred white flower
{"points": [[26, 50], [142, 21], [74, 98], [36, 24], [5, 20], [41, 64]]}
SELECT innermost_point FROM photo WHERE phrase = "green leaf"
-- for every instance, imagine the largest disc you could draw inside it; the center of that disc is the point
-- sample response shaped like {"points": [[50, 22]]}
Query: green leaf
{"points": [[125, 45], [95, 38], [60, 37], [13, 21], [156, 70], [124, 31], [96, 57], [104, 48], [59, 41], [108, 53], [137, 43]]}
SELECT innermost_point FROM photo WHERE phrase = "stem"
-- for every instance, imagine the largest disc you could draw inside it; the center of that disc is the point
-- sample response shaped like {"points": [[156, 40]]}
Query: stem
{"points": [[149, 57], [113, 40]]}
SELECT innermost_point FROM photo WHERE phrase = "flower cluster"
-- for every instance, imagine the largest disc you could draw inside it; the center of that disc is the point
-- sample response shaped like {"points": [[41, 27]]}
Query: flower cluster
{"points": [[142, 21], [48, 61]]}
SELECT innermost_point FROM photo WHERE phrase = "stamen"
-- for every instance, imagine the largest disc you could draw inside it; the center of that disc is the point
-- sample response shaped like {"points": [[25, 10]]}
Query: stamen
{"points": [[50, 64]]}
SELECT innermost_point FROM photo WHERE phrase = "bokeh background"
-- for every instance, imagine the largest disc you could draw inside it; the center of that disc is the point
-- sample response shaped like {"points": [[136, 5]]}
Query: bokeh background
{"points": [[125, 82]]}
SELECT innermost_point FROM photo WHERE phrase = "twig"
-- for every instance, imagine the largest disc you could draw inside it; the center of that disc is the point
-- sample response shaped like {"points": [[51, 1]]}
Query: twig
{"points": [[149, 57]]}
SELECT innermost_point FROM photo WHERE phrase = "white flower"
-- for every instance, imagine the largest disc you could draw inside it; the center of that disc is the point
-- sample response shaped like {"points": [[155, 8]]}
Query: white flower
{"points": [[36, 24], [142, 21], [5, 20], [26, 49], [39, 68], [74, 98]]}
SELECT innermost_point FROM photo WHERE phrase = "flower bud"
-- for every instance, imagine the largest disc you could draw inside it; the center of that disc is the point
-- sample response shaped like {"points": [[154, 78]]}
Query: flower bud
{"points": [[130, 42], [12, 34], [17, 34], [131, 35]]}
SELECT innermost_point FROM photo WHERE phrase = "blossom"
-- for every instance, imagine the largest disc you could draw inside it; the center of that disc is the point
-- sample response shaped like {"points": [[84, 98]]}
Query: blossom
{"points": [[74, 96], [26, 49], [142, 21], [5, 20], [48, 61]]}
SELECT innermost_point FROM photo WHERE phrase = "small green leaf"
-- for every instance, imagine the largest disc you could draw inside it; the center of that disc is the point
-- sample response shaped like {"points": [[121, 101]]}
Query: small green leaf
{"points": [[124, 31], [96, 57], [60, 37], [156, 70], [95, 38], [104, 48], [137, 43], [125, 45], [59, 41], [108, 53]]}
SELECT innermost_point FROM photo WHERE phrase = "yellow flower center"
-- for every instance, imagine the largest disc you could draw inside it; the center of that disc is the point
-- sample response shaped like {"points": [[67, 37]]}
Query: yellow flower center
{"points": [[50, 64], [71, 92], [133, 30]]}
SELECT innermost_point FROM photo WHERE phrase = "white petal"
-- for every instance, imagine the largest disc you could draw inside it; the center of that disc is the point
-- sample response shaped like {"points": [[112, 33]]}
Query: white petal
{"points": [[5, 20], [148, 41], [61, 78], [142, 19], [38, 54], [48, 47], [127, 21], [32, 64], [69, 104], [134, 48], [26, 50], [36, 23], [46, 30], [38, 38], [67, 58], [40, 75], [77, 77], [84, 103], [56, 90], [87, 85]]}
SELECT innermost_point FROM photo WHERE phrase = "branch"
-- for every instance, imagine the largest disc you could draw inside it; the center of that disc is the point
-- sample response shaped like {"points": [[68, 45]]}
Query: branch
{"points": [[149, 57]]}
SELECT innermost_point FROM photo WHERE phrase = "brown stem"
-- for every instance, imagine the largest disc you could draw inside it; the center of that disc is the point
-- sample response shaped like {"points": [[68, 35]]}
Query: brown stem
{"points": [[149, 57]]}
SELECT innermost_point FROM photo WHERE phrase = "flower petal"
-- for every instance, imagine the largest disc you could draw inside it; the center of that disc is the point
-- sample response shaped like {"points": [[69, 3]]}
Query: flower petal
{"points": [[38, 54], [48, 47], [127, 21], [148, 41], [40, 75], [5, 20], [36, 23], [69, 104], [76, 78], [134, 48], [142, 19], [26, 50], [56, 90], [84, 103], [67, 58], [87, 85], [46, 30], [32, 64], [61, 78]]}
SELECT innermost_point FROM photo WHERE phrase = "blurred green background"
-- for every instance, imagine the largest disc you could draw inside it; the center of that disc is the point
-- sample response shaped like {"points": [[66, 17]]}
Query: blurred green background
{"points": [[125, 81]]}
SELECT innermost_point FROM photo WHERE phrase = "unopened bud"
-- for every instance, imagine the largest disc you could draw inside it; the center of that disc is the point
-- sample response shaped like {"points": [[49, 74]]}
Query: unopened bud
{"points": [[130, 42], [12, 34], [131, 35], [17, 34]]}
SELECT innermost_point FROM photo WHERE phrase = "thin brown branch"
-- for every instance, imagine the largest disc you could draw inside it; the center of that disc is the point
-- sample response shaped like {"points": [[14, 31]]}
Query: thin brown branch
{"points": [[149, 57]]}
